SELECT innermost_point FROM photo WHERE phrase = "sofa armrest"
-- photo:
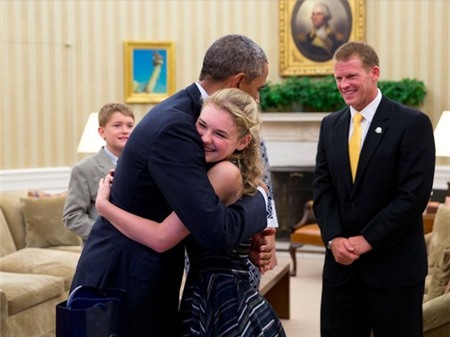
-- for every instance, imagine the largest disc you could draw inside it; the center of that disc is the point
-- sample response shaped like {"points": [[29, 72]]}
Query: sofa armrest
{"points": [[427, 241], [436, 312], [4, 326], [428, 238]]}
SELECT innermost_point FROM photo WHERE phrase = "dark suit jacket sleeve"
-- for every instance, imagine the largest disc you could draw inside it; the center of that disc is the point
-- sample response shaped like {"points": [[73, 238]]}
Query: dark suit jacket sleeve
{"points": [[326, 208], [177, 166]]}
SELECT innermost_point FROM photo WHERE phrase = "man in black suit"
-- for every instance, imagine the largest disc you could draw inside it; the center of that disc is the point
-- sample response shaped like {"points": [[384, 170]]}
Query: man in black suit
{"points": [[162, 169], [376, 262]]}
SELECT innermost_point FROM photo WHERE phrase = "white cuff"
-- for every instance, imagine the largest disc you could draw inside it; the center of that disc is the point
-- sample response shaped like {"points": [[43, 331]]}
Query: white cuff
{"points": [[273, 221], [264, 193]]}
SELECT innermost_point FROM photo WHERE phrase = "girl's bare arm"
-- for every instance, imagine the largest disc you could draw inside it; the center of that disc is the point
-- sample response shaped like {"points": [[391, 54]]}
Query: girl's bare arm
{"points": [[225, 179]]}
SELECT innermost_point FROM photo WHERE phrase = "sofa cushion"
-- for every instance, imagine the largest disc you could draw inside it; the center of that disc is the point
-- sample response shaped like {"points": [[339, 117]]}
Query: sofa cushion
{"points": [[440, 277], [10, 203], [440, 237], [43, 194], [7, 245], [44, 224], [26, 290], [74, 249], [42, 261]]}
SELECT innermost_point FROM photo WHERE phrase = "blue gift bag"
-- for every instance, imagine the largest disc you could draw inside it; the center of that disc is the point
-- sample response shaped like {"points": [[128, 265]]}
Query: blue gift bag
{"points": [[91, 312]]}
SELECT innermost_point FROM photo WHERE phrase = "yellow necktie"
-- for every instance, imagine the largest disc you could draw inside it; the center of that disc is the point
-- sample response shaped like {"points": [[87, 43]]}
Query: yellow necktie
{"points": [[354, 146]]}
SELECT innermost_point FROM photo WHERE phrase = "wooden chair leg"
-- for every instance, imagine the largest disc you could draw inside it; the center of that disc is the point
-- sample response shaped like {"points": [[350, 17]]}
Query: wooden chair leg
{"points": [[292, 251], [307, 218]]}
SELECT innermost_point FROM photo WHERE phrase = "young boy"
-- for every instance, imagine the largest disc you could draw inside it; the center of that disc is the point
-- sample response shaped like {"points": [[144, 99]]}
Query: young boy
{"points": [[116, 121]]}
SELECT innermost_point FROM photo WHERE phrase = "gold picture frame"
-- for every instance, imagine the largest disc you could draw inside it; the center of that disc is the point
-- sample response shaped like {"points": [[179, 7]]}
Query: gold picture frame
{"points": [[149, 71], [302, 52]]}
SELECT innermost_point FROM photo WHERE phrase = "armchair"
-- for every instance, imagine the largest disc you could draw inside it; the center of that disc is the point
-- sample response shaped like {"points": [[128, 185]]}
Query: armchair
{"points": [[436, 304], [306, 231]]}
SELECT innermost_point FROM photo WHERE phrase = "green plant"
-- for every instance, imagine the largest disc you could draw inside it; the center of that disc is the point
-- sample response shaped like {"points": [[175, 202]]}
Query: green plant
{"points": [[407, 91], [320, 94]]}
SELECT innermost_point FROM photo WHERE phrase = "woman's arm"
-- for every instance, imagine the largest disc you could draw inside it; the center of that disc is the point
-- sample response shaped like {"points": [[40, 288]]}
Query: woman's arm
{"points": [[225, 179]]}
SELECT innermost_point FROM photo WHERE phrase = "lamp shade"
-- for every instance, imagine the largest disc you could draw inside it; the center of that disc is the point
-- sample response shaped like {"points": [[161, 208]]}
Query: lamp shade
{"points": [[442, 135], [90, 141]]}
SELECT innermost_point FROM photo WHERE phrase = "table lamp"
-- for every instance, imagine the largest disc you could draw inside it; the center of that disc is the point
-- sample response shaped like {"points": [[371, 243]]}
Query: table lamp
{"points": [[90, 141], [442, 139]]}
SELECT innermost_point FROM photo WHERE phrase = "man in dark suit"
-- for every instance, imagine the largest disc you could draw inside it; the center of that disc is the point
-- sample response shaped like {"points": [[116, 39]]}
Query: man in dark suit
{"points": [[162, 169], [375, 263]]}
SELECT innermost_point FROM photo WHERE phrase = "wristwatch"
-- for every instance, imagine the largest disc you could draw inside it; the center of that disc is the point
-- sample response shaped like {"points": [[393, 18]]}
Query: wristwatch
{"points": [[329, 244]]}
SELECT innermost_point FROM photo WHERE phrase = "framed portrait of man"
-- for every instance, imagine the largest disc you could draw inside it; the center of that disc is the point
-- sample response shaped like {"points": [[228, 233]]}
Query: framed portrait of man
{"points": [[312, 30]]}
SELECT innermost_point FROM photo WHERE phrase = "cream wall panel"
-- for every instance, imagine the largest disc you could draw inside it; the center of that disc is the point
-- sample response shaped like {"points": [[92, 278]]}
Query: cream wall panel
{"points": [[61, 60], [32, 79], [413, 40]]}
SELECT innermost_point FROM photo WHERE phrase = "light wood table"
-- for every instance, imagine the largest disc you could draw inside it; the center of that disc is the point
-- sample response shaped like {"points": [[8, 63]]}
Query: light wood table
{"points": [[275, 287]]}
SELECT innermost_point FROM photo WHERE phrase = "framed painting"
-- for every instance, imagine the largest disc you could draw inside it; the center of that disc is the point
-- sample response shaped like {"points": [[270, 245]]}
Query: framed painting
{"points": [[311, 31], [149, 71]]}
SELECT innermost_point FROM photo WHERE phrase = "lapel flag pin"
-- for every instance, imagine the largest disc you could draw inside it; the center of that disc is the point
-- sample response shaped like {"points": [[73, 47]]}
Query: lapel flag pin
{"points": [[378, 130]]}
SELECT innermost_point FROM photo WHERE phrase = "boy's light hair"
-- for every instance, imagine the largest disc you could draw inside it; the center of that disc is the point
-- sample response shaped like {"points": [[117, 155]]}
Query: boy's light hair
{"points": [[105, 113]]}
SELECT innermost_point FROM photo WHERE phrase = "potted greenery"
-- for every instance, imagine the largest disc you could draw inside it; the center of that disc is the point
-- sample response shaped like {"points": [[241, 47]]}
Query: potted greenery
{"points": [[407, 91], [319, 94]]}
